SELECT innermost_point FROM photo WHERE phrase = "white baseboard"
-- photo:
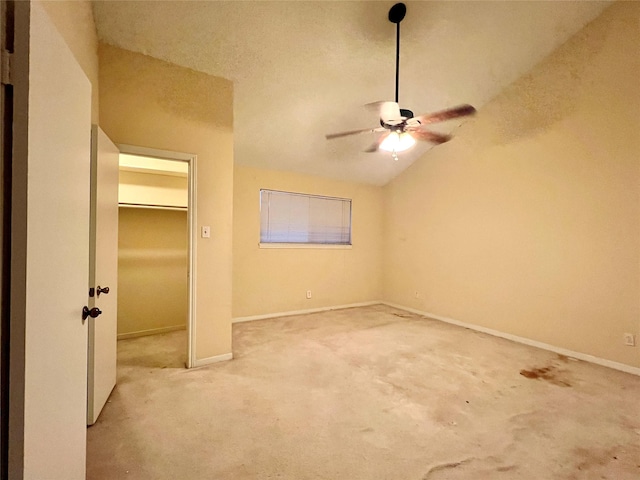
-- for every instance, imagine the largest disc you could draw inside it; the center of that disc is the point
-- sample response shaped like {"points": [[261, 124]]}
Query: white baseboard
{"points": [[303, 312], [201, 362], [526, 341], [151, 331]]}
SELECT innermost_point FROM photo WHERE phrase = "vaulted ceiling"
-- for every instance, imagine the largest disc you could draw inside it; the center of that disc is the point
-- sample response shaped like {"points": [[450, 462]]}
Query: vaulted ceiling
{"points": [[303, 69]]}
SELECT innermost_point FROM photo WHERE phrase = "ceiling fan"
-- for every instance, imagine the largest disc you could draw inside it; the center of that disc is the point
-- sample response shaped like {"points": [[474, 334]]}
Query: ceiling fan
{"points": [[399, 127]]}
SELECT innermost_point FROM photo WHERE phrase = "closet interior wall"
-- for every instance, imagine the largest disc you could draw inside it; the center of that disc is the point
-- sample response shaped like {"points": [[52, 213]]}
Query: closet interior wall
{"points": [[152, 254]]}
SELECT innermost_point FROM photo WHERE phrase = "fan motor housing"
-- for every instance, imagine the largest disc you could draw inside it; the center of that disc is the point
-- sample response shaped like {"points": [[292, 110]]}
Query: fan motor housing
{"points": [[407, 114]]}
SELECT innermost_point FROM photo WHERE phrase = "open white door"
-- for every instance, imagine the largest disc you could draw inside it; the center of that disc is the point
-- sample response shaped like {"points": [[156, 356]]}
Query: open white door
{"points": [[103, 272], [57, 254]]}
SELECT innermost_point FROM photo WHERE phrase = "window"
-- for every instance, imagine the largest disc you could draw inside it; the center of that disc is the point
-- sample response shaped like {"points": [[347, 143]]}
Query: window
{"points": [[287, 217]]}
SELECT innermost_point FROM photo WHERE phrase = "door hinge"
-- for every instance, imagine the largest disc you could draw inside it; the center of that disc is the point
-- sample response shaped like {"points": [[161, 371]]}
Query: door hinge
{"points": [[6, 58]]}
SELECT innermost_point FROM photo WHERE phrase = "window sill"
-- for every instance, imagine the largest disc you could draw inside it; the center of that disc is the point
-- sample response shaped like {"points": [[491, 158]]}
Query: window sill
{"points": [[321, 246]]}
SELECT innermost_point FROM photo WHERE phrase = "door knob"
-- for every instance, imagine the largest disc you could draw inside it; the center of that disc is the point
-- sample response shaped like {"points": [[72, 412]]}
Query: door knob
{"points": [[93, 313], [100, 290]]}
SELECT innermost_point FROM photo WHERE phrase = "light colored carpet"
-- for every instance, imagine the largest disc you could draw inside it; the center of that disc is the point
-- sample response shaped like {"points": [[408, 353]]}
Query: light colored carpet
{"points": [[366, 393]]}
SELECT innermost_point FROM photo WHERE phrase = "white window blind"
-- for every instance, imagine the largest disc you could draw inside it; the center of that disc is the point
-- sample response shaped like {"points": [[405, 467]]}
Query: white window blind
{"points": [[287, 217]]}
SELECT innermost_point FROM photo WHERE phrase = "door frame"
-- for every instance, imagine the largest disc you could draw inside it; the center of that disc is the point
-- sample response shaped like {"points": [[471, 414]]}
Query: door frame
{"points": [[190, 159]]}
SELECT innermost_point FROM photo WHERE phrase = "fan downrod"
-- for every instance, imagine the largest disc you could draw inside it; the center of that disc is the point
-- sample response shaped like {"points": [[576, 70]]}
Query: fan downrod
{"points": [[397, 13]]}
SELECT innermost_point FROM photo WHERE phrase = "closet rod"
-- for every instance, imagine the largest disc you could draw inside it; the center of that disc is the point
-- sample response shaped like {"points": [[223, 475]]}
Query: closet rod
{"points": [[152, 207]]}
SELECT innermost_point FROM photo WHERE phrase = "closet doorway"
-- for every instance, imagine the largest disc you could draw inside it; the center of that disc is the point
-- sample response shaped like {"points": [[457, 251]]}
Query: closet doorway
{"points": [[156, 199]]}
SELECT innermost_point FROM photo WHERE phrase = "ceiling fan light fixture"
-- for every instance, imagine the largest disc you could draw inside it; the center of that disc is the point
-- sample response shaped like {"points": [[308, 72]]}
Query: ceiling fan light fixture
{"points": [[397, 142], [401, 127]]}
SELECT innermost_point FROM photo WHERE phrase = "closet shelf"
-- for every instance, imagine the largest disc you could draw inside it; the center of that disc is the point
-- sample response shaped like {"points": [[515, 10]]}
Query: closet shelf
{"points": [[152, 207]]}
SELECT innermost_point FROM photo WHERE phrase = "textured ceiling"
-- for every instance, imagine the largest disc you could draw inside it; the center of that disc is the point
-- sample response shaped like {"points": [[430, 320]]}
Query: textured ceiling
{"points": [[304, 69]]}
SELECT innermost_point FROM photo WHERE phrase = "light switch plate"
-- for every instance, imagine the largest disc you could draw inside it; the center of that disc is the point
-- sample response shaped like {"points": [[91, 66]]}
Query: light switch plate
{"points": [[206, 231]]}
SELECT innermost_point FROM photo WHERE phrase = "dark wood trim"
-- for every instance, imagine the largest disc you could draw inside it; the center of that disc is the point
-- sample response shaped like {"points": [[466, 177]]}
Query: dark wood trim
{"points": [[6, 147], [18, 237]]}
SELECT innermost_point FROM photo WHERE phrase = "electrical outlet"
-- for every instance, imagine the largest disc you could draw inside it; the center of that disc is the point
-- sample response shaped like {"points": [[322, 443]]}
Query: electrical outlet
{"points": [[308, 293], [630, 339], [417, 294]]}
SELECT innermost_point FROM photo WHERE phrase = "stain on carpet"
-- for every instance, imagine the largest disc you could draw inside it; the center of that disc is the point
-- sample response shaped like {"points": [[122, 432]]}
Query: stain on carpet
{"points": [[407, 315], [472, 467], [445, 466], [551, 374], [604, 462]]}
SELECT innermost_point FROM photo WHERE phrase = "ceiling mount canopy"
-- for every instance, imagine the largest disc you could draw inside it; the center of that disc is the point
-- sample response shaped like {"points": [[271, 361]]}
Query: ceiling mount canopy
{"points": [[399, 127], [397, 12]]}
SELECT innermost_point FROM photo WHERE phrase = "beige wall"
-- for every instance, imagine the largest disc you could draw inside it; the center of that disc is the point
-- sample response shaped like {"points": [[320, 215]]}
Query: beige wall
{"points": [[150, 103], [74, 21], [153, 189], [152, 270], [276, 280], [528, 222]]}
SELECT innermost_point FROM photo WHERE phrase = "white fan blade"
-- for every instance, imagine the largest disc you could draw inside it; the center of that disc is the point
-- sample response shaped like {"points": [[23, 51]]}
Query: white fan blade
{"points": [[331, 136], [390, 113]]}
